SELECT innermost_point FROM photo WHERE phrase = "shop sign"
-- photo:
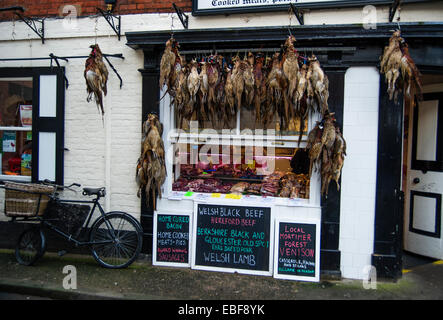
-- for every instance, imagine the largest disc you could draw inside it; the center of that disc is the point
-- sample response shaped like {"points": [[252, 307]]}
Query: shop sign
{"points": [[232, 238], [297, 250], [204, 7], [171, 243]]}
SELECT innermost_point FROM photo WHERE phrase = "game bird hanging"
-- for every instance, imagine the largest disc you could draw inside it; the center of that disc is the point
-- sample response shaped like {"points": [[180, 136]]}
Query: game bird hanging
{"points": [[96, 76], [151, 169], [399, 69], [327, 150], [215, 87]]}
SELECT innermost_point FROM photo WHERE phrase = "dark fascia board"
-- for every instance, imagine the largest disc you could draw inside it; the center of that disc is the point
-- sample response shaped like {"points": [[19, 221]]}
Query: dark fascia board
{"points": [[237, 36], [312, 5]]}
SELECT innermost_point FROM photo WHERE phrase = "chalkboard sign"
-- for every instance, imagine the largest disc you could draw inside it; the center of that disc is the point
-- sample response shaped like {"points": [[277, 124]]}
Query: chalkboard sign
{"points": [[233, 238], [297, 250], [171, 239]]}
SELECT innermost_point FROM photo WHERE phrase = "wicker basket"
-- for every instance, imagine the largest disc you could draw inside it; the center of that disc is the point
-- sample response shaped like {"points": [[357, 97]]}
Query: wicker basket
{"points": [[26, 199]]}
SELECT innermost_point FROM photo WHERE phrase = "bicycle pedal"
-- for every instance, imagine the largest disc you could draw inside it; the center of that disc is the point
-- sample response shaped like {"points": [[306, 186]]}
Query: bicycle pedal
{"points": [[62, 253]]}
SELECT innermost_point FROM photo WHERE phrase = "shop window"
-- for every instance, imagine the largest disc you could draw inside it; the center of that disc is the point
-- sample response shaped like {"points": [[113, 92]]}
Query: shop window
{"points": [[240, 156], [16, 127], [31, 124]]}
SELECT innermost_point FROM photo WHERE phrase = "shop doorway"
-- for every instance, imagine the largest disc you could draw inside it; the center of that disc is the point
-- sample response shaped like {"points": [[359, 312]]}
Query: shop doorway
{"points": [[423, 171]]}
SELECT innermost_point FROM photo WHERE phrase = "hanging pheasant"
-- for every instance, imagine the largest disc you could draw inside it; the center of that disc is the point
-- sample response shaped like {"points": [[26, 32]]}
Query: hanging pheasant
{"points": [[151, 169], [96, 75], [170, 66], [327, 150], [399, 69]]}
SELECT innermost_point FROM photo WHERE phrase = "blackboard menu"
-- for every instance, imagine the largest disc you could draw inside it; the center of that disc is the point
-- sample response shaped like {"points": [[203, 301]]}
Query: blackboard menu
{"points": [[172, 239], [297, 250], [233, 237]]}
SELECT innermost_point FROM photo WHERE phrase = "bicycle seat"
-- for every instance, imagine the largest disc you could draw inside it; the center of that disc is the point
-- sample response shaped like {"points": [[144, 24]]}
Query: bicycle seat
{"points": [[94, 191]]}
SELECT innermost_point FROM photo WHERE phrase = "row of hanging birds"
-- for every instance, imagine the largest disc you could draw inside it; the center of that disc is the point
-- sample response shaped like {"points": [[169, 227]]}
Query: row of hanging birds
{"points": [[285, 84], [217, 87]]}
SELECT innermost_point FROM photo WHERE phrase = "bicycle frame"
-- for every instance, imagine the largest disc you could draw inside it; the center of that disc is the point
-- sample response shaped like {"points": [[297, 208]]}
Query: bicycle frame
{"points": [[69, 237]]}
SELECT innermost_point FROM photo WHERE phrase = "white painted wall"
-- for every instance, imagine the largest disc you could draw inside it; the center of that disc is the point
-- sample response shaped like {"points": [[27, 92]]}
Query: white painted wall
{"points": [[56, 28], [100, 153], [357, 208]]}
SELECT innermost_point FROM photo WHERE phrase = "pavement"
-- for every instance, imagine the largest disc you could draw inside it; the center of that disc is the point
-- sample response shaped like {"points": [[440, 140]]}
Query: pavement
{"points": [[79, 277]]}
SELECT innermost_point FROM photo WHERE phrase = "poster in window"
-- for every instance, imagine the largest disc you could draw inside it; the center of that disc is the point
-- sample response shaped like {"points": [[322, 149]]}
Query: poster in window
{"points": [[26, 115], [26, 164], [9, 143]]}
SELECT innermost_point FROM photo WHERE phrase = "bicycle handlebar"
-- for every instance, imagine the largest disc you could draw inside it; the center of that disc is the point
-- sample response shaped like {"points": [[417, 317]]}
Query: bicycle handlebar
{"points": [[49, 182]]}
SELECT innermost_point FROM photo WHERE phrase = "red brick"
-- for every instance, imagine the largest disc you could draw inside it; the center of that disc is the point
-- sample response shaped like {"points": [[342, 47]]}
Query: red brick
{"points": [[50, 8]]}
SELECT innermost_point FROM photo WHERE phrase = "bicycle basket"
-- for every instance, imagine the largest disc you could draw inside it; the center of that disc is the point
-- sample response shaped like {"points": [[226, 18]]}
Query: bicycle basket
{"points": [[26, 199], [68, 217]]}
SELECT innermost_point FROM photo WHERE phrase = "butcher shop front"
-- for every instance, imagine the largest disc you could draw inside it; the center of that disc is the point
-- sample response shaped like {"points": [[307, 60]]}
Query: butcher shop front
{"points": [[279, 138], [227, 159]]}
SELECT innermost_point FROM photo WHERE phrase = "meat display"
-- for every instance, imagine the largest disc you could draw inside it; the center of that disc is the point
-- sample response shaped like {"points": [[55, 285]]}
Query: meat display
{"points": [[254, 188], [271, 184], [239, 188], [224, 171], [294, 186], [277, 184]]}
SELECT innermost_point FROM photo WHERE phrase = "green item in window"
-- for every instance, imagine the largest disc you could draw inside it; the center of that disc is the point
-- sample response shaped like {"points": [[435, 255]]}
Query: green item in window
{"points": [[26, 164]]}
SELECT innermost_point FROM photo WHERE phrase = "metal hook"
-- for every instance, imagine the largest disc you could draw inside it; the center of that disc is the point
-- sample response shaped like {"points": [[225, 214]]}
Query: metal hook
{"points": [[290, 20], [172, 25]]}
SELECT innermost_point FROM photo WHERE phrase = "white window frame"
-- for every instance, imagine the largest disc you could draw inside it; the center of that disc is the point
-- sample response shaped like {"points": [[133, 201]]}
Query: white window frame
{"points": [[18, 178], [171, 137], [48, 100]]}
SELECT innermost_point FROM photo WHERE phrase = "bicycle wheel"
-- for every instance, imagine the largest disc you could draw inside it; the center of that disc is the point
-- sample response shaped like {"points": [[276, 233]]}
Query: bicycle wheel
{"points": [[31, 245], [116, 240]]}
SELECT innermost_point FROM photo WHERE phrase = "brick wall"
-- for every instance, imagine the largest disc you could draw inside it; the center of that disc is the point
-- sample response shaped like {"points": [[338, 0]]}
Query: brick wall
{"points": [[54, 8]]}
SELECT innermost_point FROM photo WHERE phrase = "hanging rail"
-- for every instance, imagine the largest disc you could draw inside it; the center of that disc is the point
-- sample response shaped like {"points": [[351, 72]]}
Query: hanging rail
{"points": [[55, 58], [116, 55], [244, 50], [58, 65]]}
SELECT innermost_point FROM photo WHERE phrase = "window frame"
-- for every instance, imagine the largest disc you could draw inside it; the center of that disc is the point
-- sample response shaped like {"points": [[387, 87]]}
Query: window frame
{"points": [[42, 124], [171, 137]]}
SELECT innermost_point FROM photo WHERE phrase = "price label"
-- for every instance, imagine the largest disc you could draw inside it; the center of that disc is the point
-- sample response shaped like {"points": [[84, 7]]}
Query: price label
{"points": [[201, 197], [176, 195], [233, 196]]}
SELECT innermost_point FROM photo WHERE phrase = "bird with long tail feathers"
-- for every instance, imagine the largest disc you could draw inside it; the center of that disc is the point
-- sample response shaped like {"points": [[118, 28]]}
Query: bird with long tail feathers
{"points": [[96, 76]]}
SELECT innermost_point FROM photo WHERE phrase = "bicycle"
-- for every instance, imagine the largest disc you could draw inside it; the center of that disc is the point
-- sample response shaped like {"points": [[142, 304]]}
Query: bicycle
{"points": [[115, 238]]}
